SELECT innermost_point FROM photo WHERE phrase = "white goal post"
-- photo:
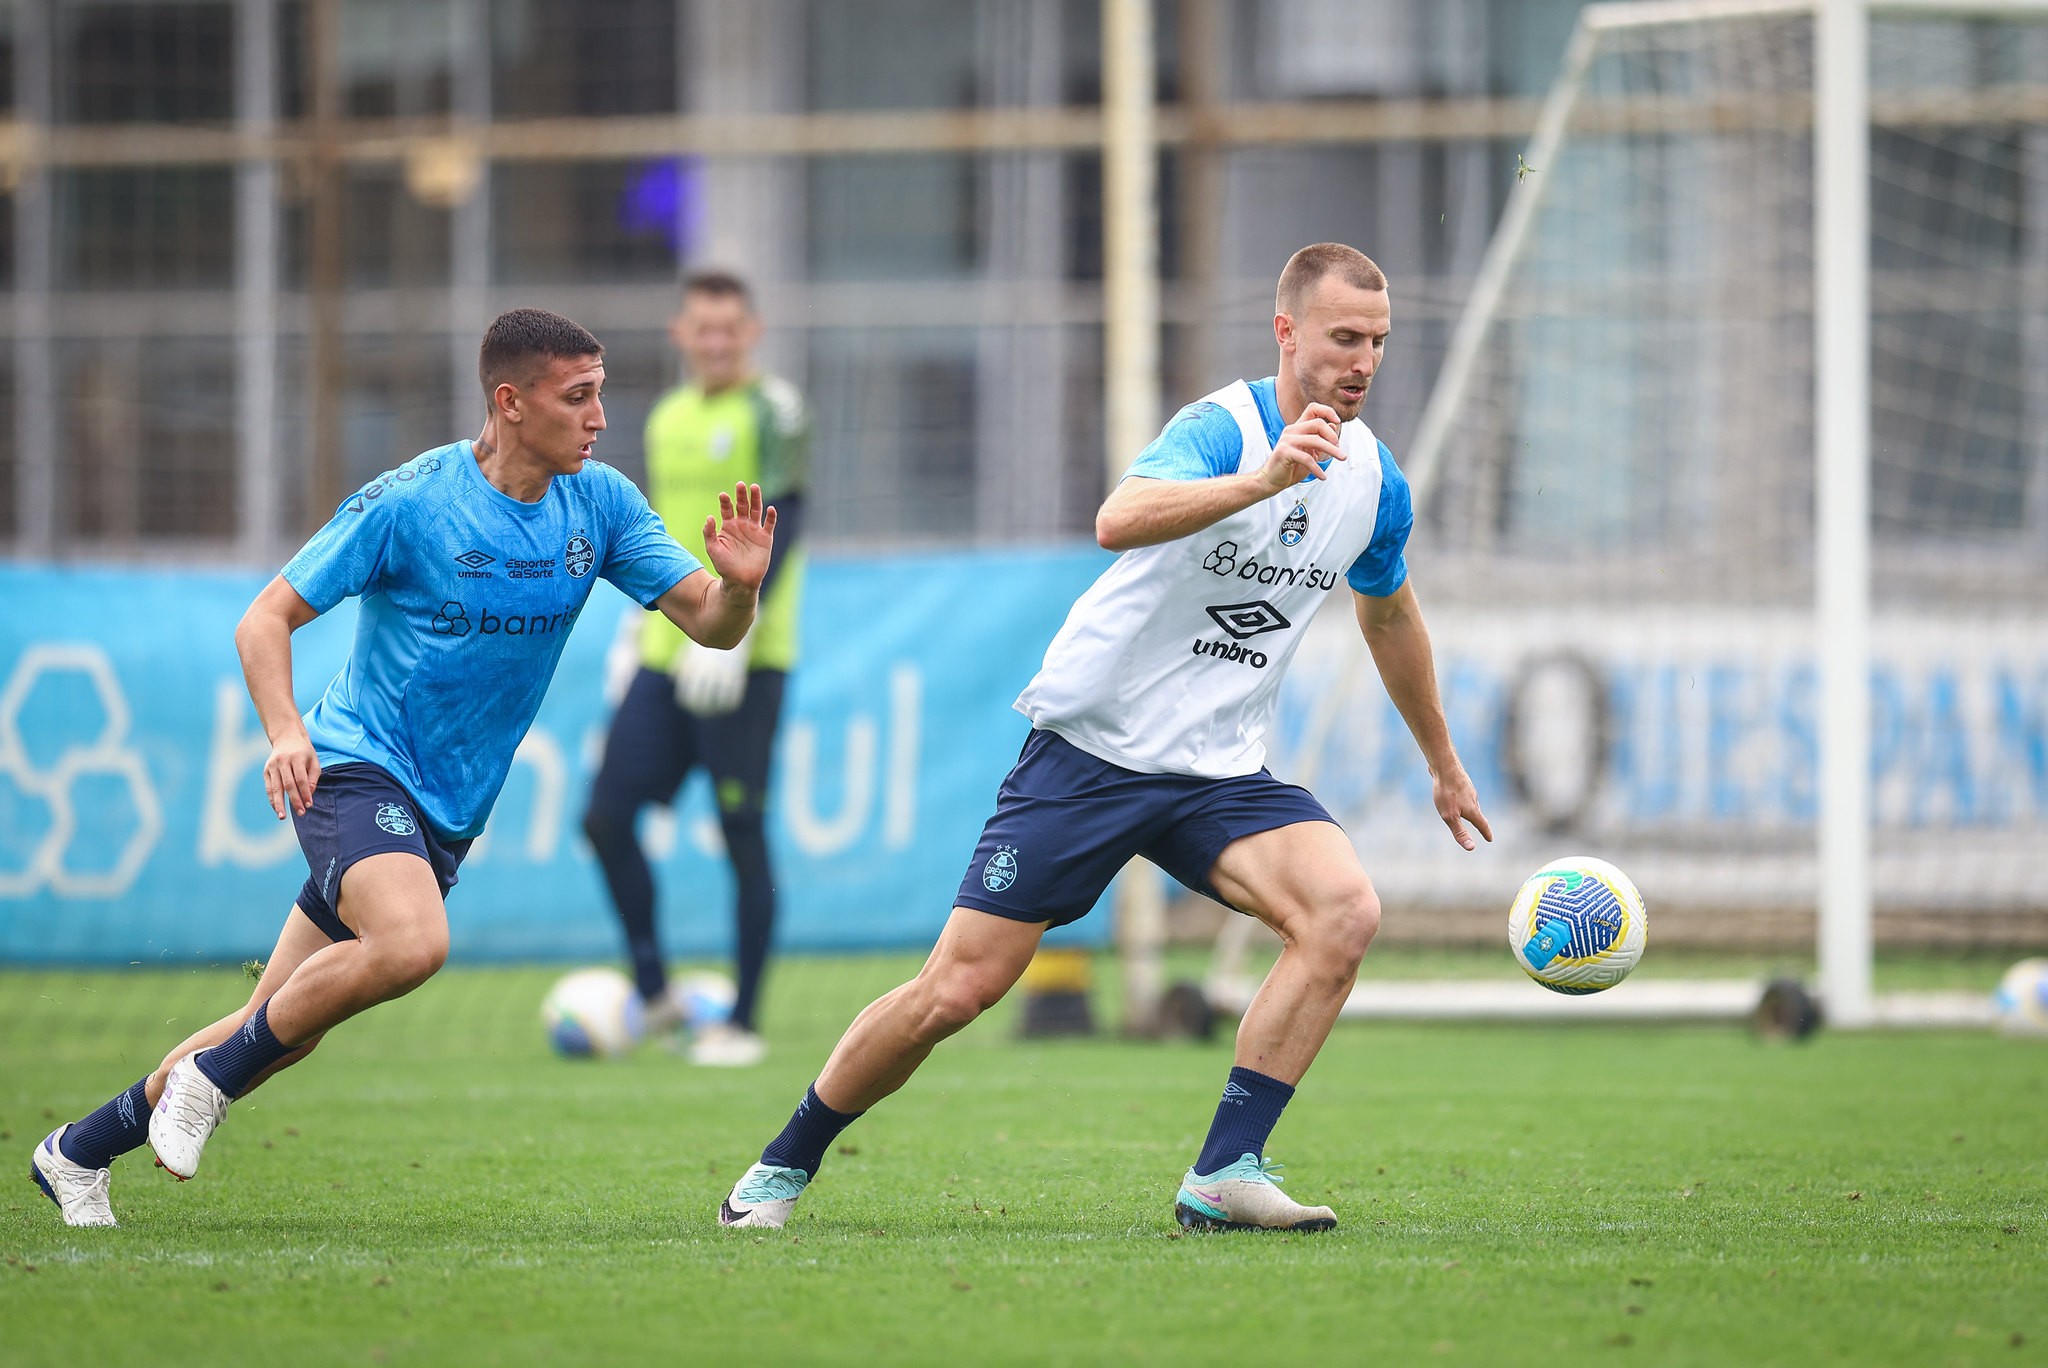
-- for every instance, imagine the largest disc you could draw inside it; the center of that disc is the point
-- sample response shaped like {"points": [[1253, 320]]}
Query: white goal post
{"points": [[1681, 286]]}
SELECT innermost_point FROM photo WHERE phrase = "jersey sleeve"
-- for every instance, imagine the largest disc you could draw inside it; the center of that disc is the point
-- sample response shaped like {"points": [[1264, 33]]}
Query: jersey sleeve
{"points": [[785, 438], [348, 556], [1199, 442], [1382, 567], [641, 558]]}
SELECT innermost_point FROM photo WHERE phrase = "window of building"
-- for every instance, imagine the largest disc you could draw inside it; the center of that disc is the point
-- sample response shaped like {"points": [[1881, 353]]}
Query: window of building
{"points": [[145, 63], [145, 228], [570, 57]]}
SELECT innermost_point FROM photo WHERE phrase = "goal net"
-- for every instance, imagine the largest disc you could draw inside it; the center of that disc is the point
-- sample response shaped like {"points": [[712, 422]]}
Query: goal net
{"points": [[1615, 480]]}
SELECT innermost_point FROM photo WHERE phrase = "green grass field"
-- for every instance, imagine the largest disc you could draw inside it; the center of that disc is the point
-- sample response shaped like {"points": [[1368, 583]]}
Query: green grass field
{"points": [[433, 1187]]}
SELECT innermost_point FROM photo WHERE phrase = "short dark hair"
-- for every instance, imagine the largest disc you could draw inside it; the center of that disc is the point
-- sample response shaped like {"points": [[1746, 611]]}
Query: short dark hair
{"points": [[518, 337], [718, 284], [1307, 267]]}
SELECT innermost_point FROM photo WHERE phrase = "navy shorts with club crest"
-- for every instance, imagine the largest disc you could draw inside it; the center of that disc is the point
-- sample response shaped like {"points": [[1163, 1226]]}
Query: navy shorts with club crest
{"points": [[358, 811], [1066, 822]]}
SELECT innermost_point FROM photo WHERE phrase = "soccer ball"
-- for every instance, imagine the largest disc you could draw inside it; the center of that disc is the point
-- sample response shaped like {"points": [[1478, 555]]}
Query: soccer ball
{"points": [[2020, 1006], [1577, 925], [593, 1012], [705, 997]]}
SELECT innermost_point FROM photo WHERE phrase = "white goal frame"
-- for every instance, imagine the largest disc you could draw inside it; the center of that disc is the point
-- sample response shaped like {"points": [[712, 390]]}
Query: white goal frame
{"points": [[1843, 534]]}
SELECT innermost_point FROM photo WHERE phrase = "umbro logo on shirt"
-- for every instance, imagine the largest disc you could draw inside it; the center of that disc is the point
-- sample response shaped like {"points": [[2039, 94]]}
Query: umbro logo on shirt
{"points": [[1243, 620]]}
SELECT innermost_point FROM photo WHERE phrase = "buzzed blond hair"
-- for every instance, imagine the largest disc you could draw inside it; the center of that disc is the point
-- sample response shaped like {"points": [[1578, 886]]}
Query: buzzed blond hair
{"points": [[1307, 267]]}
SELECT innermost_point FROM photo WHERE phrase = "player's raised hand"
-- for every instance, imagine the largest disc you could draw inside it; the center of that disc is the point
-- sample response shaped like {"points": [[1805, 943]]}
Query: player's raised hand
{"points": [[1304, 444], [739, 540], [1457, 802], [290, 774]]}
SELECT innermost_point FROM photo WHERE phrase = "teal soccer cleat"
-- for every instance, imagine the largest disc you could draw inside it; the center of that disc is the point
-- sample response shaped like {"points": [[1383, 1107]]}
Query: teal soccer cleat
{"points": [[763, 1197], [1245, 1195]]}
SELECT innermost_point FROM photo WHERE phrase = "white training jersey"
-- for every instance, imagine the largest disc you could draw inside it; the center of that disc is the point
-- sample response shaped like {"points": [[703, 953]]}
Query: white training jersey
{"points": [[1171, 662]]}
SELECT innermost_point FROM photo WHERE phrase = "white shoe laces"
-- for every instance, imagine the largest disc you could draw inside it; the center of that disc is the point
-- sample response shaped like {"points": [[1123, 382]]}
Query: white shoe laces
{"points": [[94, 1193], [198, 1107]]}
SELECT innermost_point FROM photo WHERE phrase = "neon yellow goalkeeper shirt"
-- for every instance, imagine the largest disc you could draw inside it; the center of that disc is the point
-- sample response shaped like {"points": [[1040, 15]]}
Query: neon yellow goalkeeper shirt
{"points": [[699, 444]]}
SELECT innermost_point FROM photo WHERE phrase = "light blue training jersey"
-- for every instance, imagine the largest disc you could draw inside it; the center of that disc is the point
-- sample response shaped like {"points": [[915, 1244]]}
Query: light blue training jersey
{"points": [[468, 596], [1203, 440]]}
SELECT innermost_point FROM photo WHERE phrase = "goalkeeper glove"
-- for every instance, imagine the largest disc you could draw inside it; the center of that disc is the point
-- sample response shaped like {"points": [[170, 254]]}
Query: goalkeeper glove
{"points": [[710, 682]]}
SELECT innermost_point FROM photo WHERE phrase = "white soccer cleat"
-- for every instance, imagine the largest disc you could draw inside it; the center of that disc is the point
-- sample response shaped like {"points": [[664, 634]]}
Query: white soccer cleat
{"points": [[1245, 1195], [185, 1118], [727, 1047], [79, 1192], [763, 1197]]}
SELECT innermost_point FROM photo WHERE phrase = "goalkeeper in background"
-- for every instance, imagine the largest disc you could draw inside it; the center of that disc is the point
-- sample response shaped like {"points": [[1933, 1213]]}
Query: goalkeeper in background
{"points": [[686, 706]]}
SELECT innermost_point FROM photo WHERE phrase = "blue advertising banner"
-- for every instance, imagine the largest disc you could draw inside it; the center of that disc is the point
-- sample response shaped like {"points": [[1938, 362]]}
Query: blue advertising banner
{"points": [[133, 825]]}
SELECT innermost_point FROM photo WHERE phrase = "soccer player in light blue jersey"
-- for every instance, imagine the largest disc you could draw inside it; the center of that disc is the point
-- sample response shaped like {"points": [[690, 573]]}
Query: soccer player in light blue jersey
{"points": [[472, 562], [1149, 721]]}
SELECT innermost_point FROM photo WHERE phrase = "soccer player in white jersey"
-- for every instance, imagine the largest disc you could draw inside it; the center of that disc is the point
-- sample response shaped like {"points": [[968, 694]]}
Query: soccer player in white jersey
{"points": [[393, 771], [1149, 721]]}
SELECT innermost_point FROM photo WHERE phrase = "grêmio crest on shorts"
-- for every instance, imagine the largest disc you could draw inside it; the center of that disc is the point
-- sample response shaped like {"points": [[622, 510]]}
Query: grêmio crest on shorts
{"points": [[1171, 662]]}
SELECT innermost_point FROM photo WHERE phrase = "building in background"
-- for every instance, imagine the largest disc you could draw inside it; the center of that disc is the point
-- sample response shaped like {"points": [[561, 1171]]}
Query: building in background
{"points": [[235, 197]]}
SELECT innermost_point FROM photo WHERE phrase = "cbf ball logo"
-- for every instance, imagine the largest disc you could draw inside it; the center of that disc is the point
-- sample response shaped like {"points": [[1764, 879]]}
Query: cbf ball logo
{"points": [[1001, 870], [580, 555], [395, 819], [1296, 525]]}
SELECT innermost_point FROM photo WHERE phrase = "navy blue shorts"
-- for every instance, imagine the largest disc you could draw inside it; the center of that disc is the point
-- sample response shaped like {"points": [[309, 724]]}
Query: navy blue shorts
{"points": [[357, 811], [654, 743], [1066, 822]]}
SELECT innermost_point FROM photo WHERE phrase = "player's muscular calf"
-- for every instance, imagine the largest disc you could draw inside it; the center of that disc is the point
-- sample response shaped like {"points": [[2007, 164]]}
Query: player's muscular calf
{"points": [[978, 959]]}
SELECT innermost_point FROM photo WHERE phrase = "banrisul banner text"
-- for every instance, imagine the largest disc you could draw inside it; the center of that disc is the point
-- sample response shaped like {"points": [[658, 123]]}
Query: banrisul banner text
{"points": [[133, 825]]}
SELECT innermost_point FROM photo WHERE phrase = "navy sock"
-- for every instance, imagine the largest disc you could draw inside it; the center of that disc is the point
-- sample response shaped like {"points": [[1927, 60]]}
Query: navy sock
{"points": [[234, 1063], [120, 1126], [810, 1132], [1250, 1108]]}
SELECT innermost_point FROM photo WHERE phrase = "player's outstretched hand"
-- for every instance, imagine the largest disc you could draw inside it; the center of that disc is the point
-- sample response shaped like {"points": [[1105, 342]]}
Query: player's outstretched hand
{"points": [[739, 539], [290, 774], [1457, 802], [1303, 445]]}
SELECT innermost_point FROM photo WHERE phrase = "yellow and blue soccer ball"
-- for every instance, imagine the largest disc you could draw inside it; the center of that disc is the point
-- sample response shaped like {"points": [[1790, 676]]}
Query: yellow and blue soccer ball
{"points": [[1578, 925], [2020, 1006], [704, 996], [593, 1012]]}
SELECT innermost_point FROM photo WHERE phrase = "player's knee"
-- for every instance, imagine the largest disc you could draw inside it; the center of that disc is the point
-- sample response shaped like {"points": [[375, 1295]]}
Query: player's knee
{"points": [[952, 1002], [1345, 923], [405, 962], [746, 833], [1358, 920], [604, 828]]}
